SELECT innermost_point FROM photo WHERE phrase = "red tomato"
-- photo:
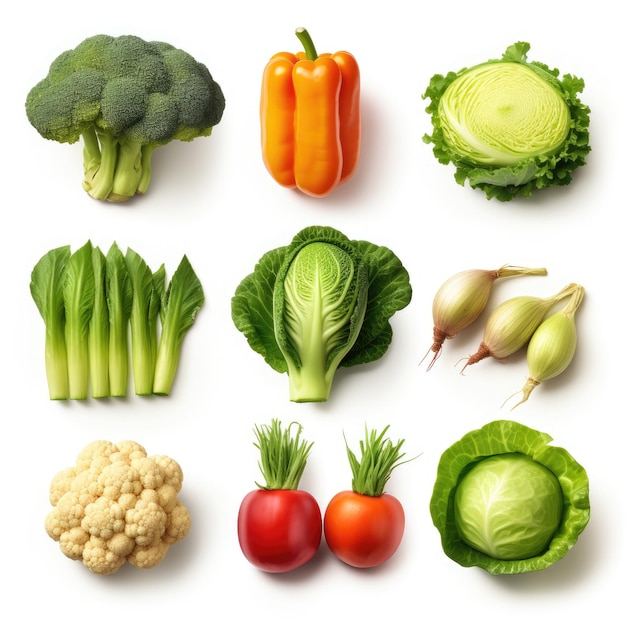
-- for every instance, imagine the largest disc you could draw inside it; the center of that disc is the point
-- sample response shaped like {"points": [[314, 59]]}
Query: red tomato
{"points": [[363, 531], [279, 530]]}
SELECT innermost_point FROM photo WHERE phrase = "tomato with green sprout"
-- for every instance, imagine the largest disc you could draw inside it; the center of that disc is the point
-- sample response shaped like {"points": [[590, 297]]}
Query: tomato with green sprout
{"points": [[280, 526], [363, 527]]}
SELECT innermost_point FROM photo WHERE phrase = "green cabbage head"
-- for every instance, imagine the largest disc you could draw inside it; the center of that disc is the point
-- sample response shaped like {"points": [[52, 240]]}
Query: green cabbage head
{"points": [[507, 501], [510, 126], [508, 506]]}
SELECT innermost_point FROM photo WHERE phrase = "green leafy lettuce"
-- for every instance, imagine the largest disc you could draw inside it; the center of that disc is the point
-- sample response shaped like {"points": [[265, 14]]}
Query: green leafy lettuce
{"points": [[516, 542], [320, 303], [510, 126]]}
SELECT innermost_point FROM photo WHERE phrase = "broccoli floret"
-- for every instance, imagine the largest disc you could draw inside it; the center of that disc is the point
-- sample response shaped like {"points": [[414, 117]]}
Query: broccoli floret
{"points": [[124, 97]]}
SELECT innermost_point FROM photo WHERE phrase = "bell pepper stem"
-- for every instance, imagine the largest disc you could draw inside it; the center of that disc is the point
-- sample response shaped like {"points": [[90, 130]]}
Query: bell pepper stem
{"points": [[309, 48]]}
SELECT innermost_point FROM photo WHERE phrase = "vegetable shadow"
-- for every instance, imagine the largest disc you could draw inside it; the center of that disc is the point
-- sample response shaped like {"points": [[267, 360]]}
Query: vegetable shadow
{"points": [[571, 572]]}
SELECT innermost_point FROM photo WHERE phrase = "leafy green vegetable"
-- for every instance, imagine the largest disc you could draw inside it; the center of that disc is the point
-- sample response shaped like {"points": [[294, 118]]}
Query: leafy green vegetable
{"points": [[119, 290], [124, 97], [507, 501], [154, 312], [510, 126], [320, 303], [180, 304], [142, 323], [46, 288], [508, 506], [78, 296], [91, 305], [99, 330]]}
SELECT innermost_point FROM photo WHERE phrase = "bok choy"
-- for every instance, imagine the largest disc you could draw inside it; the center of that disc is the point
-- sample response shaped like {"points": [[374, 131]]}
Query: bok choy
{"points": [[108, 314]]}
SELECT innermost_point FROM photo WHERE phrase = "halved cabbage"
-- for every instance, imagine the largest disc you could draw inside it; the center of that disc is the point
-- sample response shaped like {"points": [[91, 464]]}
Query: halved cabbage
{"points": [[510, 126]]}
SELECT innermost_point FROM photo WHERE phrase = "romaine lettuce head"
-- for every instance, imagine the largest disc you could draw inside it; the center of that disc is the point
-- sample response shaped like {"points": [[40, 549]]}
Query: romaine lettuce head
{"points": [[507, 501], [320, 303], [510, 126]]}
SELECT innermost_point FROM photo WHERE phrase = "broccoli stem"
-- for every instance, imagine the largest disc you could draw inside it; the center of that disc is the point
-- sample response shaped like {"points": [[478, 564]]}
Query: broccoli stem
{"points": [[114, 169], [146, 169], [99, 185], [91, 156], [128, 171]]}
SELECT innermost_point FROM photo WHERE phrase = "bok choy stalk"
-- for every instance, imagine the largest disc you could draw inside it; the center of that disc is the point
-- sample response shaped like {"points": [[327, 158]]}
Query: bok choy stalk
{"points": [[46, 288], [510, 126], [99, 330], [154, 314], [119, 291], [78, 297], [179, 306], [143, 317]]}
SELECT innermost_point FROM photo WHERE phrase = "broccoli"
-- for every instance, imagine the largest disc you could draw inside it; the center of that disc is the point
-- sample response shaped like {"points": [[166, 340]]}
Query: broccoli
{"points": [[124, 97]]}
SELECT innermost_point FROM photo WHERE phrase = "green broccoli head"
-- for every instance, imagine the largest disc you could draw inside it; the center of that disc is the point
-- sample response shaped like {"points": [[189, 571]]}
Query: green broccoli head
{"points": [[124, 97]]}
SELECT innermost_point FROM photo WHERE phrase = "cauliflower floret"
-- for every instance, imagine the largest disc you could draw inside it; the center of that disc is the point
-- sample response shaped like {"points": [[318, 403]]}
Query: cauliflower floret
{"points": [[103, 518], [178, 525], [147, 521], [117, 479], [99, 558], [117, 505], [72, 542], [172, 471], [146, 557], [67, 514]]}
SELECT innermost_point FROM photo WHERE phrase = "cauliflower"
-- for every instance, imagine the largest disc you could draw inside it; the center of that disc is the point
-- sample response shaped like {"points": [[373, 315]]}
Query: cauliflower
{"points": [[117, 505]]}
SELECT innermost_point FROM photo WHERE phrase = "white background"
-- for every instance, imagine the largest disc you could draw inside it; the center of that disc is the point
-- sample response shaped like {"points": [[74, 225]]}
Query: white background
{"points": [[214, 201]]}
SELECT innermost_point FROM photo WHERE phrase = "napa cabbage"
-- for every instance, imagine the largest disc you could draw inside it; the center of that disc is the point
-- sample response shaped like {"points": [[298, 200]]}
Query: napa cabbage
{"points": [[507, 501], [510, 126], [320, 303]]}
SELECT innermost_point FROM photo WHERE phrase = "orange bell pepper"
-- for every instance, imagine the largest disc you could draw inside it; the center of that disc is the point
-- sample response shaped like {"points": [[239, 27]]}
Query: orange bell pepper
{"points": [[311, 118]]}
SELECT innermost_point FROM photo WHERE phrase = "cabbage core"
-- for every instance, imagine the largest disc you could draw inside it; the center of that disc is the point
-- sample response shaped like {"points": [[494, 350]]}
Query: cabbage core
{"points": [[508, 506], [502, 113]]}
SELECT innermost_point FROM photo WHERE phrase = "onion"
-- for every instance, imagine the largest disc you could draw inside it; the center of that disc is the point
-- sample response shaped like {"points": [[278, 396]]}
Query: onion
{"points": [[512, 323], [462, 298], [552, 347]]}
